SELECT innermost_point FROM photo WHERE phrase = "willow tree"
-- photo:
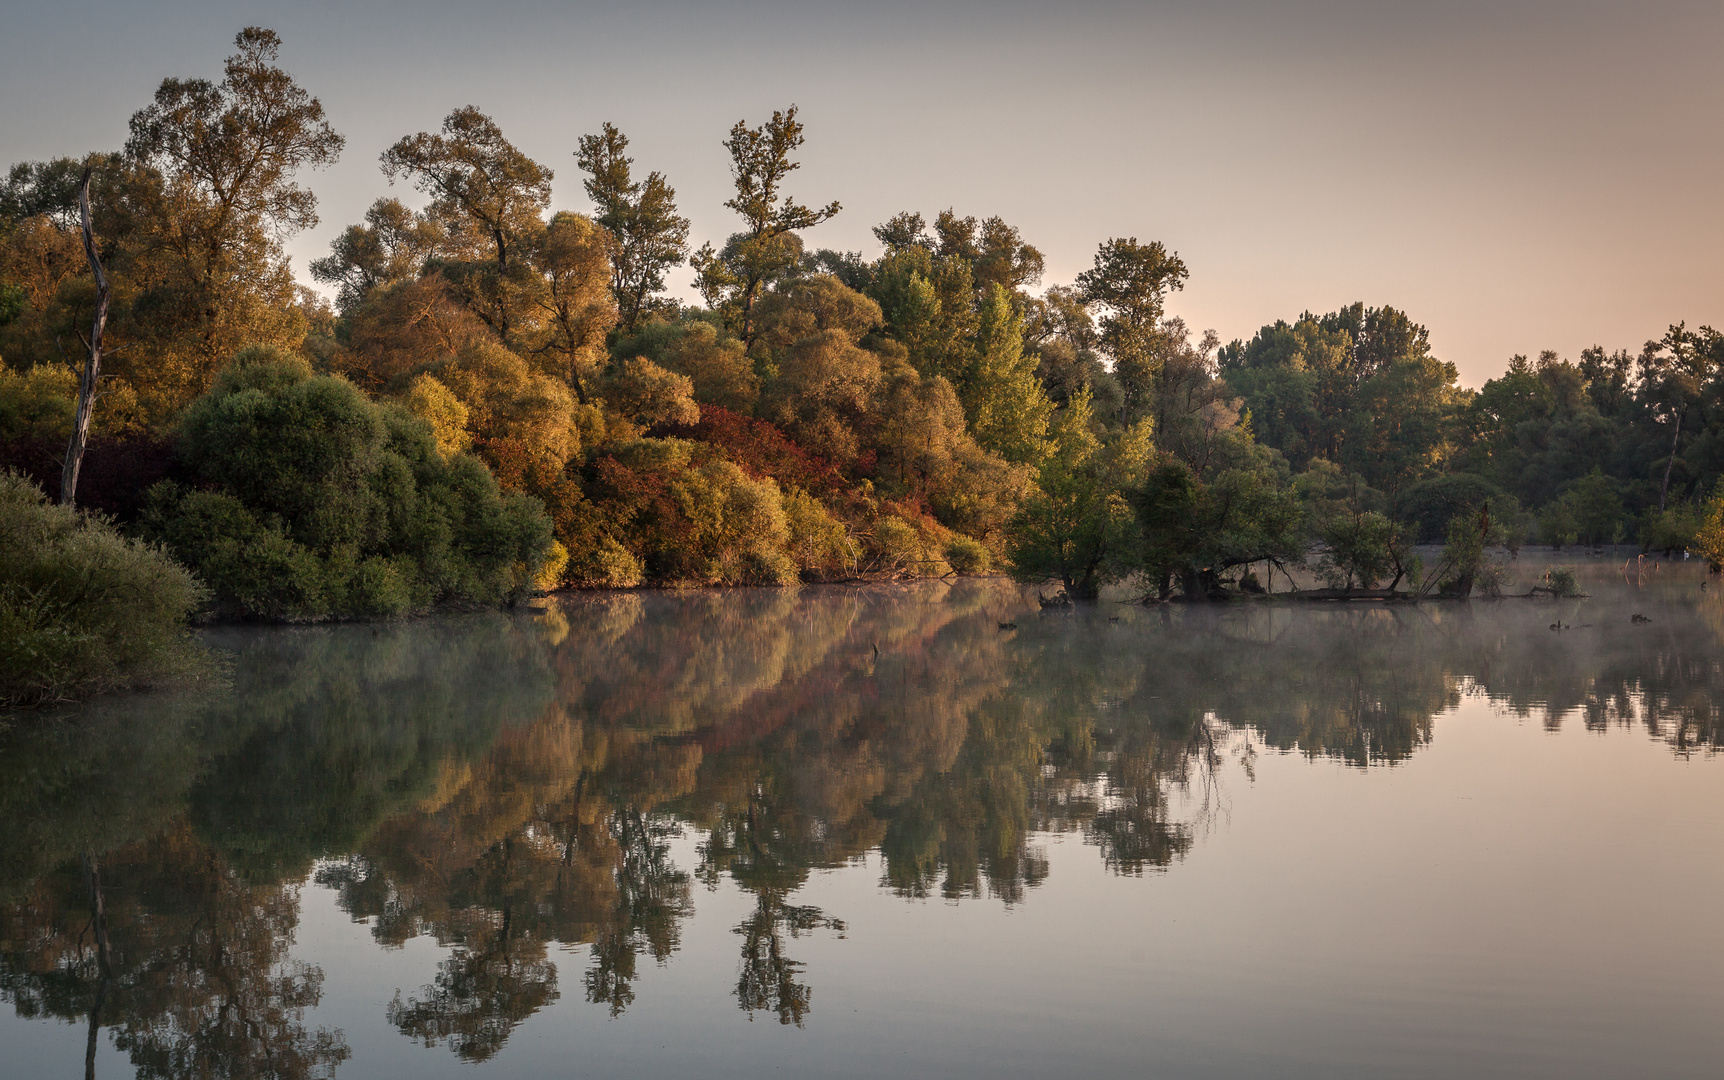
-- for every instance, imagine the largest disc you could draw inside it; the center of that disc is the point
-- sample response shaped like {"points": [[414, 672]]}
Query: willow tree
{"points": [[574, 260], [391, 245], [1076, 524], [207, 196]]}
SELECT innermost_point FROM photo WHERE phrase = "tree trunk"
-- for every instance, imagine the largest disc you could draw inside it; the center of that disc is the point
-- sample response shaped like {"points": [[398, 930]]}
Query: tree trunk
{"points": [[1664, 489], [93, 364], [1190, 585]]}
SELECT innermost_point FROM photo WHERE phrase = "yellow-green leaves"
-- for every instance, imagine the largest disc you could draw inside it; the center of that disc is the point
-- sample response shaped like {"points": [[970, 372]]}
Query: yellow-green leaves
{"points": [[435, 404]]}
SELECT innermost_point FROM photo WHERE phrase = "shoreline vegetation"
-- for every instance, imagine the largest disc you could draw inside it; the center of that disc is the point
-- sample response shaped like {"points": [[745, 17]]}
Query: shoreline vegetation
{"points": [[502, 399], [84, 610]]}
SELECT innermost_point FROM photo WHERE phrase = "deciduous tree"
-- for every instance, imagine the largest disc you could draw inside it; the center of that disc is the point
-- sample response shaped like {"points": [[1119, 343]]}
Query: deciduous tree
{"points": [[760, 162], [651, 237], [490, 195], [1129, 283]]}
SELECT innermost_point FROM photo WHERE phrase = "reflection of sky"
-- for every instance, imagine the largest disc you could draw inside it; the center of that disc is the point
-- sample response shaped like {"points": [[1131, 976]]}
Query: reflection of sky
{"points": [[1518, 176], [1504, 903]]}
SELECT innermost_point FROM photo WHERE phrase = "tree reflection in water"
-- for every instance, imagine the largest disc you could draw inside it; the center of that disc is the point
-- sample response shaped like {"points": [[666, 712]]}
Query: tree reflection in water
{"points": [[196, 980], [505, 785]]}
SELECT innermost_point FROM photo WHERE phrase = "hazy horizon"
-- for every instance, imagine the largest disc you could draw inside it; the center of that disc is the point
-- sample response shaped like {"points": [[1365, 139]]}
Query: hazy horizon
{"points": [[1516, 177]]}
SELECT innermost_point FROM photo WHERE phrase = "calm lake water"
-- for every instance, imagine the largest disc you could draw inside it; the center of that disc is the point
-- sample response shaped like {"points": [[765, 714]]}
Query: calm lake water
{"points": [[868, 832]]}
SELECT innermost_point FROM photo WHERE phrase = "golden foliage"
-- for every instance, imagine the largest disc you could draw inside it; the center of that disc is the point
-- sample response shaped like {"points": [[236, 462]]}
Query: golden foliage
{"points": [[642, 393], [435, 404], [402, 329], [506, 399], [719, 368]]}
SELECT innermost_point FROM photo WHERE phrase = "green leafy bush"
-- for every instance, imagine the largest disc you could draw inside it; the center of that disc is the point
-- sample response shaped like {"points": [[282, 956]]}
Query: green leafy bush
{"points": [[967, 556], [819, 543], [1364, 549], [316, 503], [39, 402], [1492, 578], [1708, 541], [604, 564], [1556, 524], [1561, 581], [1676, 528], [83, 609], [1463, 555], [910, 545]]}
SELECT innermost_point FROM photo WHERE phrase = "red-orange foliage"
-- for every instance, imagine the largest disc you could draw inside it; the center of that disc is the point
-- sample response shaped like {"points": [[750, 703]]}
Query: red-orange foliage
{"points": [[760, 449], [517, 468], [641, 513]]}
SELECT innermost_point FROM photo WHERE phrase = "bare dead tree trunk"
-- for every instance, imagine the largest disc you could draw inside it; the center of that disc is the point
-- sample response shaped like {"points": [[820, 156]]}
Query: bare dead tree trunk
{"points": [[1664, 490], [93, 365]]}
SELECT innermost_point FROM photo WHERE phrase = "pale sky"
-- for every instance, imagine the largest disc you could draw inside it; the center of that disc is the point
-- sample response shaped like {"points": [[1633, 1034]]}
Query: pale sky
{"points": [[1516, 176]]}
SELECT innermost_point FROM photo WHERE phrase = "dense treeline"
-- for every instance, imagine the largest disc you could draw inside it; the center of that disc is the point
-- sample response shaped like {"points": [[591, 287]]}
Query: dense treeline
{"points": [[821, 415]]}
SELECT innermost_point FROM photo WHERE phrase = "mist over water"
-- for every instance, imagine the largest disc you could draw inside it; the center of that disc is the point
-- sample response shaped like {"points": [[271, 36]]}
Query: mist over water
{"points": [[920, 830]]}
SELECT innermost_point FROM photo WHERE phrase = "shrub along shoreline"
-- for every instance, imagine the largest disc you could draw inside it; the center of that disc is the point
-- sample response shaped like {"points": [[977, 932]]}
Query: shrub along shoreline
{"points": [[85, 610], [305, 500]]}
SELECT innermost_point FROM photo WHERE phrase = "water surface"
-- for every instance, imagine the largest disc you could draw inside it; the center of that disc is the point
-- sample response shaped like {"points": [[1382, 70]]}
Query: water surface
{"points": [[863, 832]]}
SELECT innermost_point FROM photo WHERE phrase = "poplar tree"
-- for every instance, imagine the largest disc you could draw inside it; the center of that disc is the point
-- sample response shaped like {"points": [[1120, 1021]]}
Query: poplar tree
{"points": [[206, 195], [1004, 400]]}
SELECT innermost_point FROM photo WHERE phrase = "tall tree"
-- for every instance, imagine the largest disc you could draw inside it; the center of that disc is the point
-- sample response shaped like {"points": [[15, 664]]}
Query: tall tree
{"points": [[1076, 524], [1129, 283], [235, 145], [1674, 373], [1007, 408], [488, 192], [759, 162], [995, 251], [209, 200], [579, 309], [901, 231], [651, 237]]}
